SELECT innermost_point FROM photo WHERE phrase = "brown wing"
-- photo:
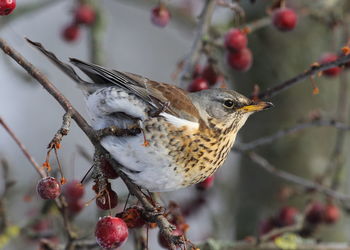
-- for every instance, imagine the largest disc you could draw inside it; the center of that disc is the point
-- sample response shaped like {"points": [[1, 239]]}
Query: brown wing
{"points": [[157, 95]]}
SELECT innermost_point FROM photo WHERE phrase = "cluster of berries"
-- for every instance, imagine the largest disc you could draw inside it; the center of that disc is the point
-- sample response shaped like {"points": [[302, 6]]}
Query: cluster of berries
{"points": [[239, 56], [84, 14], [315, 214]]}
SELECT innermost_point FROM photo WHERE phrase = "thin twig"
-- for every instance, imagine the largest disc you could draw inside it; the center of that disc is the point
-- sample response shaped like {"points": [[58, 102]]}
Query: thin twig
{"points": [[310, 185], [270, 92], [202, 29], [284, 132], [39, 169]]}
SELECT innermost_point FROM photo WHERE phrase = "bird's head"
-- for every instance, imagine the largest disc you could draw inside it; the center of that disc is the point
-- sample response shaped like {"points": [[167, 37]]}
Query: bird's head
{"points": [[223, 108]]}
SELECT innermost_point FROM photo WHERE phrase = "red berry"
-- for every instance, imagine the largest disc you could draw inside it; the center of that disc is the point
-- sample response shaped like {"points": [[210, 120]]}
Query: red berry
{"points": [[314, 214], [160, 16], [163, 242], [210, 74], [197, 71], [266, 226], [73, 190], [111, 232], [285, 19], [7, 6], [206, 184], [198, 84], [240, 60], [287, 216], [48, 188], [107, 200], [75, 207], [85, 14], [71, 33], [132, 216], [331, 214], [108, 170], [235, 39], [330, 57]]}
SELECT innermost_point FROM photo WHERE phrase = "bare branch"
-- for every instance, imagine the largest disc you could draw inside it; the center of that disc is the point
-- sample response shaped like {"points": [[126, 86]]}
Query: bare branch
{"points": [[284, 132], [270, 92], [262, 162]]}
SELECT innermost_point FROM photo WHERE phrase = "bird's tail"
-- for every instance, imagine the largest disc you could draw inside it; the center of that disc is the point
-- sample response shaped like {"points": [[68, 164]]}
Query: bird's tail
{"points": [[66, 68]]}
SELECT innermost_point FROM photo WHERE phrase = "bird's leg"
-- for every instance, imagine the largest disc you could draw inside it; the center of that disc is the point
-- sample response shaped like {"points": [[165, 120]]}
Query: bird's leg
{"points": [[113, 130], [145, 141]]}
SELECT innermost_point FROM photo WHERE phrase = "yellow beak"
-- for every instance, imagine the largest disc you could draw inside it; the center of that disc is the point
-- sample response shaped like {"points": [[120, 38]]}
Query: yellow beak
{"points": [[256, 107]]}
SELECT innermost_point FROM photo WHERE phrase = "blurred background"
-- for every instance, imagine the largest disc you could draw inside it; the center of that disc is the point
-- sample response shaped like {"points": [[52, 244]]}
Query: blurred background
{"points": [[244, 197]]}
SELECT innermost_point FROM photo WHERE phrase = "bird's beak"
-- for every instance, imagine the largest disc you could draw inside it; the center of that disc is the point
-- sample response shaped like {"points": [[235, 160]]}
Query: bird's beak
{"points": [[256, 106]]}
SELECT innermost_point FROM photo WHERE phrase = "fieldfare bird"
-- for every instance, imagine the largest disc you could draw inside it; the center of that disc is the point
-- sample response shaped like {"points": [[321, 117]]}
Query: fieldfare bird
{"points": [[189, 135]]}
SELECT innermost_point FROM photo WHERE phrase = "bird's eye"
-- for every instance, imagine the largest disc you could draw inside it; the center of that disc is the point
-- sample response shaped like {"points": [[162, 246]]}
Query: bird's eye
{"points": [[228, 103]]}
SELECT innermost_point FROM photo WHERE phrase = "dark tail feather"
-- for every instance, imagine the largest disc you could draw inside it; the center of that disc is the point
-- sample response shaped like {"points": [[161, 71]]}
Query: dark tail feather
{"points": [[66, 68]]}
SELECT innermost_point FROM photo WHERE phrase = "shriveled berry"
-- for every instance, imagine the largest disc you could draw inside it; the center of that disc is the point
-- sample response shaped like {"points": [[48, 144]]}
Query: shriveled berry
{"points": [[210, 74], [111, 232], [315, 213], [48, 188], [285, 19], [108, 170], [132, 216], [85, 14], [163, 242], [331, 213], [73, 190], [287, 216], [198, 84], [330, 57], [240, 60], [7, 6], [107, 200], [206, 184], [71, 33], [160, 16], [235, 39]]}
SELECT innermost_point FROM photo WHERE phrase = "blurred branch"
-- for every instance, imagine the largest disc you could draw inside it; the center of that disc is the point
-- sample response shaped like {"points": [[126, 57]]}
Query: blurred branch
{"points": [[8, 183], [336, 164], [244, 245], [285, 132], [202, 30], [257, 24], [96, 36], [310, 185], [152, 211], [270, 92]]}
